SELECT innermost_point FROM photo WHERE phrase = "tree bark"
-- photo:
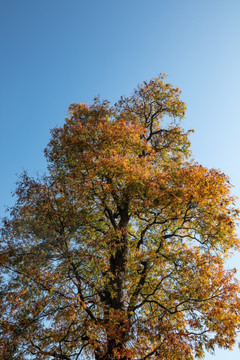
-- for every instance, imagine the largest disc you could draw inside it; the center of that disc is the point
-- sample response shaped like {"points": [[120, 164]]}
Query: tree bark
{"points": [[117, 334]]}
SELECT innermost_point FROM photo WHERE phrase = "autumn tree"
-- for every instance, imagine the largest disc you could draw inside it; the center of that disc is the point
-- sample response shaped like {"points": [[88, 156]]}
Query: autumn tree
{"points": [[118, 251]]}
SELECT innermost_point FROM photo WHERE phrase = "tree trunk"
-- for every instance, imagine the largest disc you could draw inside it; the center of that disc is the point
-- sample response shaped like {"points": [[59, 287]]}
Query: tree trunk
{"points": [[117, 333]]}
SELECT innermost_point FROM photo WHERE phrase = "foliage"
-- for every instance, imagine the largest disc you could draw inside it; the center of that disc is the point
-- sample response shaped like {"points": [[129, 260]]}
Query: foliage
{"points": [[118, 252]]}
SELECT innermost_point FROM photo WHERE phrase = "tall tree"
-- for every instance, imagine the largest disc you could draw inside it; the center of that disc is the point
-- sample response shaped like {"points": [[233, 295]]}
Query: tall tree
{"points": [[118, 252]]}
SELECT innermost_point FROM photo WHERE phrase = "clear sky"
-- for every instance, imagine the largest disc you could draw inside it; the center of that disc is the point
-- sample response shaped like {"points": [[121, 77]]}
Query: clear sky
{"points": [[55, 52]]}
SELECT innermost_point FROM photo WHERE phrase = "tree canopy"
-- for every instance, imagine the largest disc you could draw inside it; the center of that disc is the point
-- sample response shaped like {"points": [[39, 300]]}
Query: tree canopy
{"points": [[118, 251]]}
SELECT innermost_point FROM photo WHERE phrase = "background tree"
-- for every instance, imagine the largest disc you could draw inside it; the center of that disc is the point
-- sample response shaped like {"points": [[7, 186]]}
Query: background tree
{"points": [[118, 252]]}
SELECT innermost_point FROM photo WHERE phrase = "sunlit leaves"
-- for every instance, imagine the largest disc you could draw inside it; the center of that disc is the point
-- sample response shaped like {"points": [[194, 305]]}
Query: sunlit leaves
{"points": [[118, 252]]}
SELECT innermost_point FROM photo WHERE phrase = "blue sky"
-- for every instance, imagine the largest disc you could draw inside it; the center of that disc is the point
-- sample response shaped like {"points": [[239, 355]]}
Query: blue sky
{"points": [[55, 52]]}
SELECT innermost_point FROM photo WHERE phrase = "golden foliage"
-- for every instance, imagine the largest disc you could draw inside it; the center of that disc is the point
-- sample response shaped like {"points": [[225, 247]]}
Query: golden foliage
{"points": [[118, 252]]}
